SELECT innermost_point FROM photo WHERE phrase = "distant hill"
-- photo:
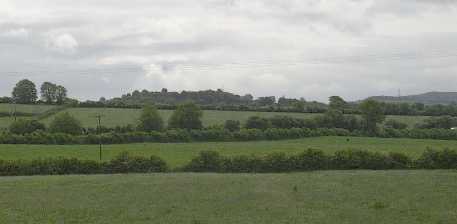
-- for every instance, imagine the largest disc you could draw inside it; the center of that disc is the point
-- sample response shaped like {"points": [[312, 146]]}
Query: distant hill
{"points": [[429, 98]]}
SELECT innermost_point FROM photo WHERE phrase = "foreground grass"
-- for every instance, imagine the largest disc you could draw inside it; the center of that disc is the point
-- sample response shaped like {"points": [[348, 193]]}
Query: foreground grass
{"points": [[177, 154], [315, 197]]}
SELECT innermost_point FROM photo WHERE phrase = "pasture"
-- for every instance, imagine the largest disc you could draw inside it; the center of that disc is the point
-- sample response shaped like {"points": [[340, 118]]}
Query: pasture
{"points": [[115, 116], [412, 197], [31, 109], [178, 154]]}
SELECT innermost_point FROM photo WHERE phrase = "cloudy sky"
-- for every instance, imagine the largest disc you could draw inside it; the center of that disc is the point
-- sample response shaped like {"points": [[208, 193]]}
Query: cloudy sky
{"points": [[294, 48]]}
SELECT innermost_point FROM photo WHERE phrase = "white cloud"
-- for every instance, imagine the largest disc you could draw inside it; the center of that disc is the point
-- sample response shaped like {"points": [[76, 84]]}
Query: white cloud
{"points": [[63, 43], [16, 33], [309, 48]]}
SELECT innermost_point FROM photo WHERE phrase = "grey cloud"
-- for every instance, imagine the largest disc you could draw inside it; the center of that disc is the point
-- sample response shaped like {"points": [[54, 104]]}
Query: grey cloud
{"points": [[310, 48]]}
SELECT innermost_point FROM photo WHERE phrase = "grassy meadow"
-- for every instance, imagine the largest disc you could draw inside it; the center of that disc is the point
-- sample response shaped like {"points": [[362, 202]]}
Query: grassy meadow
{"points": [[345, 197], [116, 116], [177, 154]]}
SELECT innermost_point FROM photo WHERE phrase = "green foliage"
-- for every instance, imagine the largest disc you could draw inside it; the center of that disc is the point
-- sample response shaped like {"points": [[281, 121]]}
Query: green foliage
{"points": [[150, 120], [445, 122], [432, 159], [23, 126], [232, 125], [395, 124], [372, 113], [206, 161], [123, 163], [25, 92], [65, 123], [52, 93], [337, 103], [186, 116], [256, 122]]}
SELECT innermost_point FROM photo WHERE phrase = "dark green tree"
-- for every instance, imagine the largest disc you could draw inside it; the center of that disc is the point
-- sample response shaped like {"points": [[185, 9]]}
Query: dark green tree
{"points": [[150, 120], [65, 123], [48, 92], [232, 125], [60, 94], [186, 116], [256, 122], [23, 126], [337, 103], [372, 114], [25, 92]]}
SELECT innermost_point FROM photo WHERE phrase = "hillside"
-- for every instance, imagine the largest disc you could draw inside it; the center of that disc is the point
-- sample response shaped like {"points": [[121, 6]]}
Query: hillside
{"points": [[425, 98]]}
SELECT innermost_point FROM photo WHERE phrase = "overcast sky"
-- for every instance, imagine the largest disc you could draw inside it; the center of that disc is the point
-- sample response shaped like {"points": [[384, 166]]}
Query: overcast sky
{"points": [[294, 48]]}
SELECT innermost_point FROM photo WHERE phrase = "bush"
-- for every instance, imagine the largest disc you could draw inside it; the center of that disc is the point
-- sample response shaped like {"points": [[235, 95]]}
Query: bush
{"points": [[186, 116], [256, 122], [394, 124], [310, 159], [65, 123], [433, 159], [150, 120], [206, 161], [124, 163], [232, 125], [23, 126]]}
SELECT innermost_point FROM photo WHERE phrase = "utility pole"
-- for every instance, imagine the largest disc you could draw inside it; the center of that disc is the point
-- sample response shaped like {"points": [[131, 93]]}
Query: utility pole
{"points": [[14, 109], [99, 117]]}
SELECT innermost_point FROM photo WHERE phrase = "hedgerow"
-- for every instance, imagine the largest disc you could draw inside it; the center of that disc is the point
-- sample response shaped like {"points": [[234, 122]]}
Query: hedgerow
{"points": [[212, 161]]}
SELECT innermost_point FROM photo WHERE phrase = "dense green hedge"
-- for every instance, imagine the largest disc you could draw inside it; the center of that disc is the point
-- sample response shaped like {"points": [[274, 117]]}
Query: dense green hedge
{"points": [[311, 159], [169, 136], [121, 164], [41, 137], [211, 161]]}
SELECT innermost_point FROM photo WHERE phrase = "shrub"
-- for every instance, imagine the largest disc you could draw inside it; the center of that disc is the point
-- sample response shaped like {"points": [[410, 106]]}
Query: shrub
{"points": [[150, 120], [394, 124], [433, 159], [186, 116], [310, 159], [206, 161], [23, 126], [232, 125], [124, 163], [256, 122], [65, 123]]}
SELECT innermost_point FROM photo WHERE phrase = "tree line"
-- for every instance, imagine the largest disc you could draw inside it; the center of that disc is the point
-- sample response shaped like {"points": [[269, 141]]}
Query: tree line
{"points": [[25, 92]]}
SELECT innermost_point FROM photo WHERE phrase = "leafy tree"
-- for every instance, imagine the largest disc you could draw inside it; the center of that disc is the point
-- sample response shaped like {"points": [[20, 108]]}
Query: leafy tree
{"points": [[337, 103], [232, 125], [48, 92], [25, 92], [61, 94], [186, 116], [256, 122], [372, 113], [150, 120], [395, 124], [65, 123], [23, 126]]}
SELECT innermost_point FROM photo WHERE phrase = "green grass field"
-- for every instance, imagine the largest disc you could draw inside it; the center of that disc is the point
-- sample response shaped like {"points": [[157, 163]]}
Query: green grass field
{"points": [[115, 116], [343, 197], [177, 154], [33, 109]]}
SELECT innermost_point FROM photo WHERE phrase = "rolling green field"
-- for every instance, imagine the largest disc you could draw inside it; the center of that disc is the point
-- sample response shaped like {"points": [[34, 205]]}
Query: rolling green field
{"points": [[344, 197], [115, 116], [33, 109], [118, 116], [177, 154]]}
